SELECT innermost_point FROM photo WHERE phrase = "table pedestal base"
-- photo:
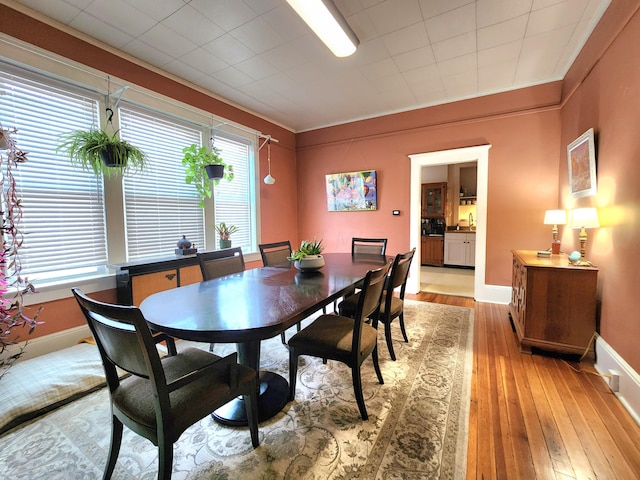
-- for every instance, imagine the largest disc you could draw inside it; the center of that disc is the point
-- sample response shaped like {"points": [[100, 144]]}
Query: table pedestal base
{"points": [[274, 393]]}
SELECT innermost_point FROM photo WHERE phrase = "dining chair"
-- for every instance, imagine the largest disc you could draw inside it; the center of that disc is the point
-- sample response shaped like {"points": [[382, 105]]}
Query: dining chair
{"points": [[219, 263], [346, 340], [391, 306], [276, 253], [363, 245], [161, 397]]}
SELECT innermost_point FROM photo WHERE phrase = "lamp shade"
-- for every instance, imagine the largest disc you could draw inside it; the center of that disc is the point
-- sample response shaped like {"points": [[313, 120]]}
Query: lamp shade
{"points": [[555, 217], [584, 217]]}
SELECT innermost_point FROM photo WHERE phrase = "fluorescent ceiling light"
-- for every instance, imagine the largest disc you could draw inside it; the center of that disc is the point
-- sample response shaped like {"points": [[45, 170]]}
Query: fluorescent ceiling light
{"points": [[328, 24]]}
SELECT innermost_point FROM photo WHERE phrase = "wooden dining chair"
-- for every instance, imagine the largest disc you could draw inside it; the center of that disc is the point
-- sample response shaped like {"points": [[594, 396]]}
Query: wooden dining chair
{"points": [[218, 263], [161, 397], [347, 340], [276, 253], [391, 306]]}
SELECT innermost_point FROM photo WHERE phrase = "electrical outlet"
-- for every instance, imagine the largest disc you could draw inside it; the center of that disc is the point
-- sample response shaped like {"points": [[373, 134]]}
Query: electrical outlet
{"points": [[614, 380]]}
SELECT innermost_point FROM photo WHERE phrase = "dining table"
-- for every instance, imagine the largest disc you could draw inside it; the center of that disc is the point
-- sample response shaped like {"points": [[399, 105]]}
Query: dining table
{"points": [[253, 305]]}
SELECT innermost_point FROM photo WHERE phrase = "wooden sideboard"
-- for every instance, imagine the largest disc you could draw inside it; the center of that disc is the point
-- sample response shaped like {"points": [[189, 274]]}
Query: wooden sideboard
{"points": [[135, 281], [553, 303]]}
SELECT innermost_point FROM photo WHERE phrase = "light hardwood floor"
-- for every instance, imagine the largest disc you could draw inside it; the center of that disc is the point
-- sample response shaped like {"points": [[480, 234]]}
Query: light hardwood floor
{"points": [[539, 416]]}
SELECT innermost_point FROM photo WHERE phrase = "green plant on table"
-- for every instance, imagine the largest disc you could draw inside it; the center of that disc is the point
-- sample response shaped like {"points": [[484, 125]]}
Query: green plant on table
{"points": [[307, 247]]}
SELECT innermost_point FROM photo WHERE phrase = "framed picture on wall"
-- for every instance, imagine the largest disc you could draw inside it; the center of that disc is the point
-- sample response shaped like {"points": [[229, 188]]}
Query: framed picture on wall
{"points": [[352, 191], [581, 154]]}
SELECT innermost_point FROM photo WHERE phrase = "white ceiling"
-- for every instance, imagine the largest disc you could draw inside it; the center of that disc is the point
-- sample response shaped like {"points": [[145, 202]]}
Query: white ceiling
{"points": [[413, 53]]}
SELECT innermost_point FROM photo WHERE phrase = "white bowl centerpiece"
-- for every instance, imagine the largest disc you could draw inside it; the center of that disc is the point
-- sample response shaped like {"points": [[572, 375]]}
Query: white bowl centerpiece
{"points": [[308, 257]]}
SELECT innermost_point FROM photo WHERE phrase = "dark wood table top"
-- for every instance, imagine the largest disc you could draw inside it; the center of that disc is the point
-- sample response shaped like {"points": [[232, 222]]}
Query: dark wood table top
{"points": [[255, 304]]}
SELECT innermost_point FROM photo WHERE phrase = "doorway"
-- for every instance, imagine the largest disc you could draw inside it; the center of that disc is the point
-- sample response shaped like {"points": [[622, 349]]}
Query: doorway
{"points": [[480, 154]]}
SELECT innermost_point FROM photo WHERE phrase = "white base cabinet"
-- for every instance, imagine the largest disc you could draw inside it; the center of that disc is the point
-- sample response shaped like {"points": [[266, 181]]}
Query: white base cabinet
{"points": [[460, 249]]}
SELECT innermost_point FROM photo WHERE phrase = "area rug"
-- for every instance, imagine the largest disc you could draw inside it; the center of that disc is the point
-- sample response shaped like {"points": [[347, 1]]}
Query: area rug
{"points": [[417, 427]]}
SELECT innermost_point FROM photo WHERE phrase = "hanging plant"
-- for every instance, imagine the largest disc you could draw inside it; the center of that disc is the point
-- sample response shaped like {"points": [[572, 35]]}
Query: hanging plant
{"points": [[101, 153], [198, 162], [12, 313]]}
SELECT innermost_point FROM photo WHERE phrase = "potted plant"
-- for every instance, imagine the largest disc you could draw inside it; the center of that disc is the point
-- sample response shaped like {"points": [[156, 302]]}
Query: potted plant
{"points": [[104, 154], [308, 257], [202, 166], [224, 232]]}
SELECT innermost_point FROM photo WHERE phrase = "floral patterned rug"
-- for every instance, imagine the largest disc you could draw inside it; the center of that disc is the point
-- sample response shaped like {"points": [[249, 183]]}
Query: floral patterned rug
{"points": [[417, 427]]}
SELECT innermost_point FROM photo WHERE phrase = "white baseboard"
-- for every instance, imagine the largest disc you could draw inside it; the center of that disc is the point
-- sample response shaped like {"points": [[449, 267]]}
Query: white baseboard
{"points": [[493, 294], [53, 342], [628, 393]]}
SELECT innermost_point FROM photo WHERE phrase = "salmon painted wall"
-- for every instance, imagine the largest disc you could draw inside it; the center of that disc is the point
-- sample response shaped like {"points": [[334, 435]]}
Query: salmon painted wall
{"points": [[278, 202], [603, 93], [523, 170]]}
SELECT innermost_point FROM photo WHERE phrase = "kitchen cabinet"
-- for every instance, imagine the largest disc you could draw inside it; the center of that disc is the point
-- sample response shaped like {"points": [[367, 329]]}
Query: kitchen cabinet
{"points": [[432, 252], [135, 281], [553, 303], [460, 249], [434, 197]]}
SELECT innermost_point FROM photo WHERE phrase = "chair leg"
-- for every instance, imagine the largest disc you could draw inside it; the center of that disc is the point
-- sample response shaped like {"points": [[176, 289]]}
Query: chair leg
{"points": [[283, 339], [211, 345], [293, 373], [357, 390], [165, 459], [251, 408], [404, 332], [376, 365], [387, 336], [114, 449]]}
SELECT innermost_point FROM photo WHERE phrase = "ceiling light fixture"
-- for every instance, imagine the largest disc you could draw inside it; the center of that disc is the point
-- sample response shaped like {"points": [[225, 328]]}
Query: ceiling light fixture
{"points": [[269, 180], [326, 21]]}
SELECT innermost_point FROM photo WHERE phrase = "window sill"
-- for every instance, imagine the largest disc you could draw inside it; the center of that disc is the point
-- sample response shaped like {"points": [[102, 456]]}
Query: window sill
{"points": [[55, 290]]}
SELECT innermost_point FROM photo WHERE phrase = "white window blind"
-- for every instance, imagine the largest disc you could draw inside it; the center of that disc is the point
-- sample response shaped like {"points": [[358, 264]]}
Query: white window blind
{"points": [[63, 206], [233, 201], [159, 206]]}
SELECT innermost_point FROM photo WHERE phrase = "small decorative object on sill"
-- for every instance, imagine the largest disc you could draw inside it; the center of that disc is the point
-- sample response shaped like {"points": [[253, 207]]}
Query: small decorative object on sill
{"points": [[224, 234], [184, 247], [555, 247]]}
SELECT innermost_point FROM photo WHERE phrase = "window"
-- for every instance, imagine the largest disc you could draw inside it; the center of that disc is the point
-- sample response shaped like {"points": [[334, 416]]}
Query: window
{"points": [[159, 206], [233, 201], [63, 206]]}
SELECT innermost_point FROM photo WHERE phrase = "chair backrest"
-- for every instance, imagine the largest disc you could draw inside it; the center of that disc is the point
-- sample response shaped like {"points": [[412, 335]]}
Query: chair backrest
{"points": [[276, 253], [221, 262], [123, 339], [373, 246], [398, 275], [369, 301]]}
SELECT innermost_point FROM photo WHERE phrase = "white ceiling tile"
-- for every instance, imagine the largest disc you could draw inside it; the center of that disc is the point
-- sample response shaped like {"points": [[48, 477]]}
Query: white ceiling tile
{"points": [[503, 32], [263, 6], [497, 76], [100, 30], [155, 9], [62, 12], [556, 16], [406, 39], [257, 68], [461, 85], [204, 61], [508, 52], [258, 35], [540, 55], [454, 47], [286, 22], [490, 12], [183, 70], [229, 14], [81, 4], [538, 4], [232, 76], [383, 68], [193, 26], [122, 16], [285, 57], [229, 49], [465, 63], [451, 24], [394, 15], [362, 26], [417, 58], [165, 39], [433, 8], [428, 74], [145, 52]]}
